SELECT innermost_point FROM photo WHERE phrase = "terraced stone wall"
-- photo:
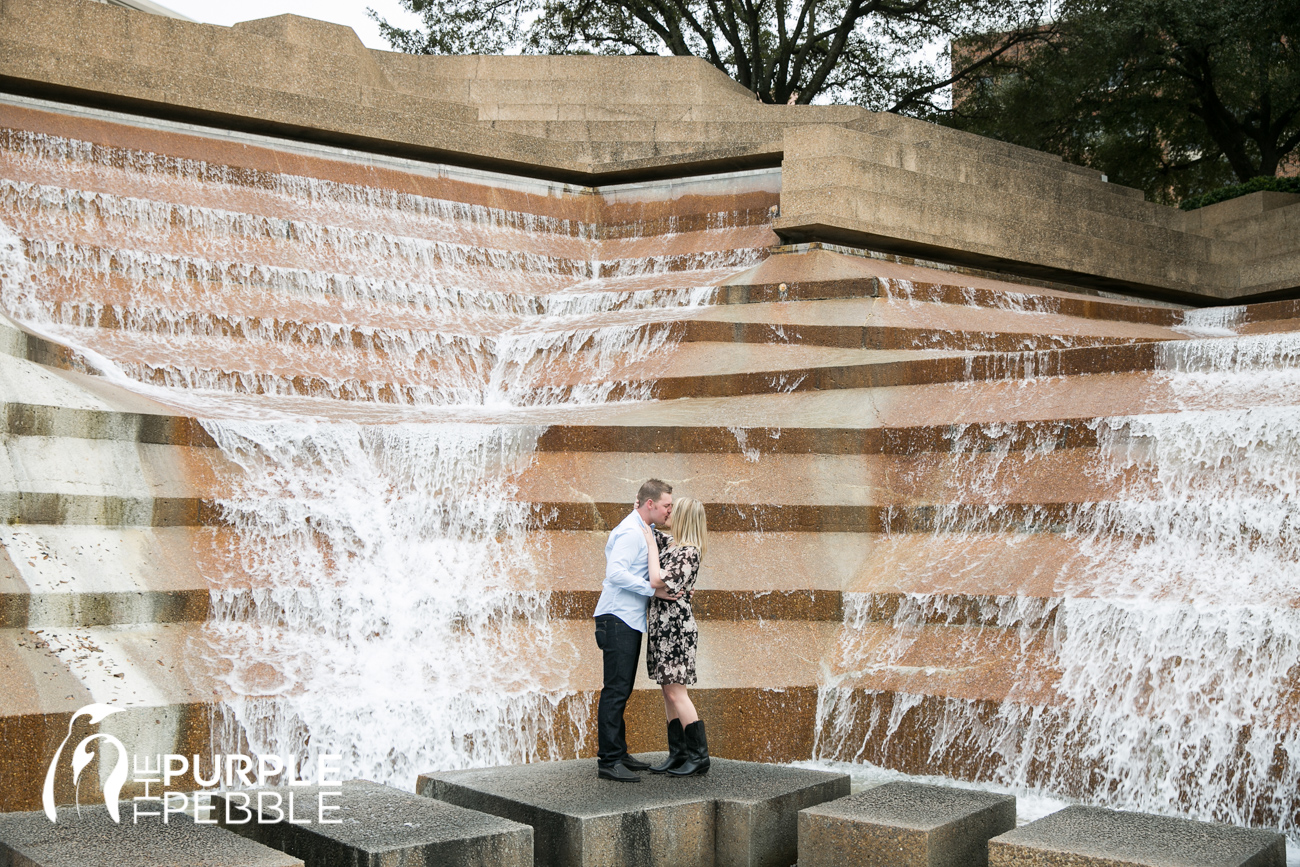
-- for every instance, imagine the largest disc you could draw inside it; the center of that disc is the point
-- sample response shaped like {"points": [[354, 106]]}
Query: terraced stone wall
{"points": [[311, 449]]}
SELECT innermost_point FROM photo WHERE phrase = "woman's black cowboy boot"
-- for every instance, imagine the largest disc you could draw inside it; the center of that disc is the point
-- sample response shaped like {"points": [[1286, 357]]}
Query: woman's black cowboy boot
{"points": [[697, 752], [676, 748]]}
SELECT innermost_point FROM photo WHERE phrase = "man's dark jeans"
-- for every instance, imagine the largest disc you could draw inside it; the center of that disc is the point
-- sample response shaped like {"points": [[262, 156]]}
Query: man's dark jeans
{"points": [[621, 645]]}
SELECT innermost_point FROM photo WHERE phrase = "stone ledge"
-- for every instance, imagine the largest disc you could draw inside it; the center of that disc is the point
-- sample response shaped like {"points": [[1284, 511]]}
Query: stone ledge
{"points": [[1097, 837], [827, 518], [1066, 433], [740, 813], [382, 825], [31, 840], [825, 605], [904, 825], [42, 507]]}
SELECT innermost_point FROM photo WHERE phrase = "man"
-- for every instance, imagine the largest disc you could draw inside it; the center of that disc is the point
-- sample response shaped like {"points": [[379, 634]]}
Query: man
{"points": [[620, 622]]}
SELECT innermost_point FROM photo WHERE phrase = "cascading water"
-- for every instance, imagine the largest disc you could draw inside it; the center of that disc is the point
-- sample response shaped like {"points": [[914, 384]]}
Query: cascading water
{"points": [[375, 366], [360, 357], [1159, 672]]}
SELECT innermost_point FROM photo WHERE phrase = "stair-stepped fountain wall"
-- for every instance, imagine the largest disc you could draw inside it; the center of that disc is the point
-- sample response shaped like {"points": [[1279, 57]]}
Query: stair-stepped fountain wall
{"points": [[363, 350], [316, 451]]}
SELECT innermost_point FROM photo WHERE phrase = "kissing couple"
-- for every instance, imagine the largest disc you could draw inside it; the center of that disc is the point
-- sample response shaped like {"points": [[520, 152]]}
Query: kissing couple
{"points": [[649, 580]]}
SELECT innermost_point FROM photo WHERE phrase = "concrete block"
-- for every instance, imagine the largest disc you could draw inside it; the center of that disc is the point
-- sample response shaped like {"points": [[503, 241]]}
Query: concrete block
{"points": [[379, 825], [1097, 837], [740, 813], [91, 837], [904, 825]]}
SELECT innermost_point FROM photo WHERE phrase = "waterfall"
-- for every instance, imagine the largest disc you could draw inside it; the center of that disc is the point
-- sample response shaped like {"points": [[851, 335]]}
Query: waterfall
{"points": [[1160, 672], [360, 357]]}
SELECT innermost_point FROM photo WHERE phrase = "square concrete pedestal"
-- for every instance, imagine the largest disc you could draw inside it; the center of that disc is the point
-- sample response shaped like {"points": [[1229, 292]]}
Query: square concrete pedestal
{"points": [[93, 839], [377, 825], [904, 825], [740, 814], [1096, 837]]}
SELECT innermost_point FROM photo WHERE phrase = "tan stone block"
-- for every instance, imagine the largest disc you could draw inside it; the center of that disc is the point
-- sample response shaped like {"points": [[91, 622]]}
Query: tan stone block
{"points": [[904, 825]]}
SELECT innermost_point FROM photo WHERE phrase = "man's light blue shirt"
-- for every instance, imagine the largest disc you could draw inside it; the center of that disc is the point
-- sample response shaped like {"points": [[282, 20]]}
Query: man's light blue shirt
{"points": [[626, 588]]}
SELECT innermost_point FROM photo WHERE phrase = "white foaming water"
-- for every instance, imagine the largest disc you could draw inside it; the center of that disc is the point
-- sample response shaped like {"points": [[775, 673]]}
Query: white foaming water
{"points": [[1166, 680], [390, 615], [379, 598]]}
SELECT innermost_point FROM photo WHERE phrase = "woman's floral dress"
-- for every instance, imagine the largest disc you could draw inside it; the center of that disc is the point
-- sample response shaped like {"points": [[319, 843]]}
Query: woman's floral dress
{"points": [[671, 634]]}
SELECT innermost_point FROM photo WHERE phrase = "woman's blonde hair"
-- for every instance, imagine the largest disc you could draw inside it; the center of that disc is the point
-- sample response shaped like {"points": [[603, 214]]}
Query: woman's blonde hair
{"points": [[689, 525]]}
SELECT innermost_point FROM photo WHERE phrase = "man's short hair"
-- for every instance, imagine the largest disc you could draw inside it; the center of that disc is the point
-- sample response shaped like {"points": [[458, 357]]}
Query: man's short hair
{"points": [[653, 490]]}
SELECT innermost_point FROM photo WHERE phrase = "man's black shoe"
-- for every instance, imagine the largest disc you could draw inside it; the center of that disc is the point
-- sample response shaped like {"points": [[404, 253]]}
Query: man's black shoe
{"points": [[632, 763], [617, 773]]}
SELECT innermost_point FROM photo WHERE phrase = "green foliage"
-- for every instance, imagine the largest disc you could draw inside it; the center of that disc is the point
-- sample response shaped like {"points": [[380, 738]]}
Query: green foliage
{"points": [[1254, 185], [1175, 97], [785, 51]]}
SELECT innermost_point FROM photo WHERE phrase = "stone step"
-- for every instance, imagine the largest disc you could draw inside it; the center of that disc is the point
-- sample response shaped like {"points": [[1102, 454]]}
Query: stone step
{"points": [[406, 353], [925, 370], [667, 132], [519, 83], [1012, 436], [707, 605], [49, 421], [542, 107], [822, 271], [734, 482], [861, 493], [373, 824], [85, 255], [974, 403], [738, 813], [897, 128], [286, 217], [1008, 580], [904, 824], [52, 480], [89, 835], [722, 329], [57, 576], [95, 421], [1270, 311], [258, 178], [1095, 836], [887, 311], [728, 517], [57, 670], [1024, 300], [106, 510], [250, 176], [948, 662], [70, 575], [730, 366]]}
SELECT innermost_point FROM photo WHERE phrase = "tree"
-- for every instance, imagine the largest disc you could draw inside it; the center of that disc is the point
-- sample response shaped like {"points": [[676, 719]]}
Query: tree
{"points": [[1171, 96], [785, 51]]}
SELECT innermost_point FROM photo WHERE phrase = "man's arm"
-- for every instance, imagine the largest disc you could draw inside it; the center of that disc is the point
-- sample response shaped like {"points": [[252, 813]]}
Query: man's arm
{"points": [[627, 550]]}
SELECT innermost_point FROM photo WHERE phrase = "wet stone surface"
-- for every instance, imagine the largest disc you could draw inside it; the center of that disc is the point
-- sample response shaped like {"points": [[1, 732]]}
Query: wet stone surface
{"points": [[93, 838], [376, 824], [1097, 837], [740, 813], [904, 825]]}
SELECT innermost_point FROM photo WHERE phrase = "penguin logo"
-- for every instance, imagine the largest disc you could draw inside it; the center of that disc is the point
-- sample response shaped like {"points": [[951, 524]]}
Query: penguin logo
{"points": [[81, 757]]}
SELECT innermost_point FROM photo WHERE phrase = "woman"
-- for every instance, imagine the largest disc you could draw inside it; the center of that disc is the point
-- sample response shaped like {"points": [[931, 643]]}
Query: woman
{"points": [[671, 635]]}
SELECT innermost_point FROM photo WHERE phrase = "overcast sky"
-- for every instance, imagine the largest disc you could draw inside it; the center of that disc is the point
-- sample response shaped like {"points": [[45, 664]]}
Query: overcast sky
{"points": [[349, 12]]}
